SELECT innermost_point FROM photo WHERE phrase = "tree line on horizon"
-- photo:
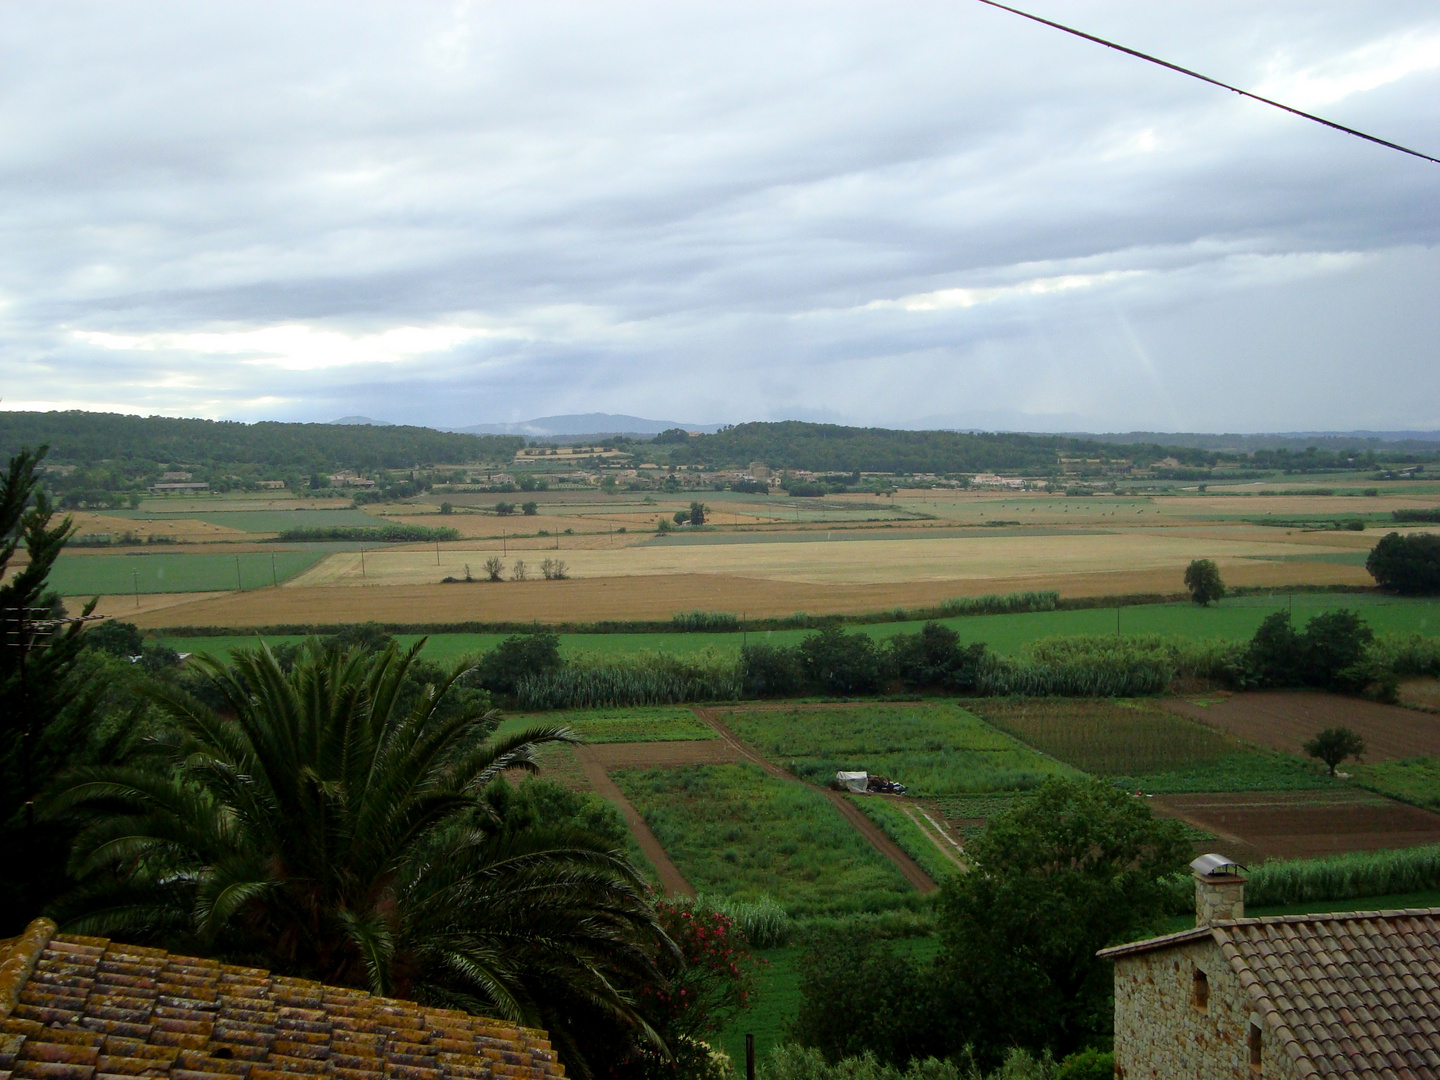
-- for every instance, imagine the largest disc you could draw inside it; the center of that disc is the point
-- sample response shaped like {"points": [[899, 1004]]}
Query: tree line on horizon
{"points": [[131, 442]]}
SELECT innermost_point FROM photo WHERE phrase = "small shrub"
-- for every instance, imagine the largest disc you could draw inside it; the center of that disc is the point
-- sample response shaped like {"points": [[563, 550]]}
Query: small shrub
{"points": [[1334, 745], [520, 572], [553, 570], [494, 569]]}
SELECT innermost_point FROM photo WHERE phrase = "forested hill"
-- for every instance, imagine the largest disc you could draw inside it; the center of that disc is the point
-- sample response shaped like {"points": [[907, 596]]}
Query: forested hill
{"points": [[794, 444], [84, 438]]}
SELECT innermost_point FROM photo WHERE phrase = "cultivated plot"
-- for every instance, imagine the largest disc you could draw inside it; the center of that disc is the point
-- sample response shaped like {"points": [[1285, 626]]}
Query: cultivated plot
{"points": [[736, 831], [1286, 719], [635, 724], [1142, 746], [933, 748], [1302, 825]]}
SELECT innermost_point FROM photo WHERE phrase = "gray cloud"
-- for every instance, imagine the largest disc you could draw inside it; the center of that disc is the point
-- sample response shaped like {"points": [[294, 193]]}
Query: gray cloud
{"points": [[871, 213]]}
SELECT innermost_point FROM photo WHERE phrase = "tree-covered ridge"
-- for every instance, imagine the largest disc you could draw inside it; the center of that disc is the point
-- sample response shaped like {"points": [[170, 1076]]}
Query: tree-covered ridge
{"points": [[83, 438], [796, 444]]}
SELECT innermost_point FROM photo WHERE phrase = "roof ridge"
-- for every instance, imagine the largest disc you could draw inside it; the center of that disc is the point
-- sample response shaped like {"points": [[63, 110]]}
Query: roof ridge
{"points": [[17, 967], [1329, 916]]}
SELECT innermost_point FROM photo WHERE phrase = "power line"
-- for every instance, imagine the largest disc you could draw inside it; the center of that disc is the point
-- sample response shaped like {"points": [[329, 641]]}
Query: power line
{"points": [[1206, 78]]}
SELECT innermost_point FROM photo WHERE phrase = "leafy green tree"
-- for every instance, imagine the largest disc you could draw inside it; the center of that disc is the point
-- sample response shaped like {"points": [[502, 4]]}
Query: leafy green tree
{"points": [[697, 513], [1274, 655], [313, 827], [518, 656], [1330, 653], [1334, 745], [1406, 564], [1202, 578], [1079, 866], [859, 995], [838, 663], [1335, 644], [933, 658], [530, 509]]}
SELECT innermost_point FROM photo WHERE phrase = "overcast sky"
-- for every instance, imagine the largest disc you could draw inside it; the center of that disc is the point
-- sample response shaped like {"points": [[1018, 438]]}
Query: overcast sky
{"points": [[906, 214]]}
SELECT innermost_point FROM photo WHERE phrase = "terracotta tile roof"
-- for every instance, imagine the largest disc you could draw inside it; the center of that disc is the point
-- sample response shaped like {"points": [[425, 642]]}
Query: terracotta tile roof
{"points": [[1349, 994], [80, 1008]]}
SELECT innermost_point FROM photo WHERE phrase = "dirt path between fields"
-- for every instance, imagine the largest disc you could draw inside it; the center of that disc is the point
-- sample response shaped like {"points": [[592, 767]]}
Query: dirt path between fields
{"points": [[907, 866], [671, 880]]}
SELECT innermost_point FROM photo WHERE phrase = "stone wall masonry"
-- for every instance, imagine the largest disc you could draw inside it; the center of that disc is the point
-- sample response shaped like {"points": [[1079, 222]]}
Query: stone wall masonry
{"points": [[1160, 1034]]}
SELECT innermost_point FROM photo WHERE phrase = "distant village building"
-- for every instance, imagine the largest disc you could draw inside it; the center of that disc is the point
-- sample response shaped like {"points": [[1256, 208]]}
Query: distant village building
{"points": [[1354, 994], [346, 479], [759, 470], [175, 489], [986, 479], [176, 475], [270, 485]]}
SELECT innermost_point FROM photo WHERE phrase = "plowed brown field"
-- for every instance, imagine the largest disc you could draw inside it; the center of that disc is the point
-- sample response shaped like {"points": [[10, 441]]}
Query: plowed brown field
{"points": [[1299, 825], [1285, 719]]}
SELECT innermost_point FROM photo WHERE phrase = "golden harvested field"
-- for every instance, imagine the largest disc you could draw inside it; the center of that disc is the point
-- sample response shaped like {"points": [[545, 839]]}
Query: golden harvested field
{"points": [[180, 530], [765, 555], [655, 596], [881, 559]]}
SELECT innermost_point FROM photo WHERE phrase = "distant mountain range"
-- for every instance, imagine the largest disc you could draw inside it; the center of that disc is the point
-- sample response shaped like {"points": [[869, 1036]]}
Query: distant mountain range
{"points": [[577, 424], [361, 421]]}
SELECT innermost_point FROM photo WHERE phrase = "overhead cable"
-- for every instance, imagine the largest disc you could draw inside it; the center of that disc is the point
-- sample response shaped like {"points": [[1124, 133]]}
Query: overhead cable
{"points": [[1206, 78]]}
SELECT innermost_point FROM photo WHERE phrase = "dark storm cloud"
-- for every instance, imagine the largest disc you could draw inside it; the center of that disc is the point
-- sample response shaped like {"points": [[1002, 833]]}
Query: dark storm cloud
{"points": [[879, 213]]}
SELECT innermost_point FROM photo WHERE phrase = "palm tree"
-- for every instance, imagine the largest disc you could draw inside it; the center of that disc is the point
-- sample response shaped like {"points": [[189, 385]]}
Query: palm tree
{"points": [[330, 822]]}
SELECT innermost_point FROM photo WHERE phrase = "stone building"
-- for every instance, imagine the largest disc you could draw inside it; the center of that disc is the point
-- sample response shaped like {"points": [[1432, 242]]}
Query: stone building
{"points": [[83, 1008], [1355, 994]]}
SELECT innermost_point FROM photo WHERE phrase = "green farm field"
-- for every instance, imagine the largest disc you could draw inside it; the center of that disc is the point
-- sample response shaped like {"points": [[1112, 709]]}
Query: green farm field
{"points": [[656, 723], [934, 749], [899, 823], [1141, 746], [738, 832], [170, 572], [1232, 619]]}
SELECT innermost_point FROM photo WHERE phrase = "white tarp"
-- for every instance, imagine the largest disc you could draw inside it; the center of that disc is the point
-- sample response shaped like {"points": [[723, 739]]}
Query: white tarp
{"points": [[853, 781]]}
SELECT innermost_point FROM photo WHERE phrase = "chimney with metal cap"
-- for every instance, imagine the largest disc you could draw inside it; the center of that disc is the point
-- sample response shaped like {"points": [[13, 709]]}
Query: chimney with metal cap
{"points": [[1219, 890]]}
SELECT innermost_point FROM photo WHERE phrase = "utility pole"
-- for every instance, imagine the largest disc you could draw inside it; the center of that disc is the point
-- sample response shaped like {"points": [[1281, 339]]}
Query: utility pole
{"points": [[274, 576], [362, 560], [136, 573], [239, 585]]}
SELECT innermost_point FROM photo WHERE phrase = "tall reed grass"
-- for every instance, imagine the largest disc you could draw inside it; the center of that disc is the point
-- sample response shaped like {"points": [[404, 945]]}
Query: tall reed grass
{"points": [[702, 621], [1001, 676], [764, 922], [1001, 603], [648, 678], [1406, 654], [1338, 877]]}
